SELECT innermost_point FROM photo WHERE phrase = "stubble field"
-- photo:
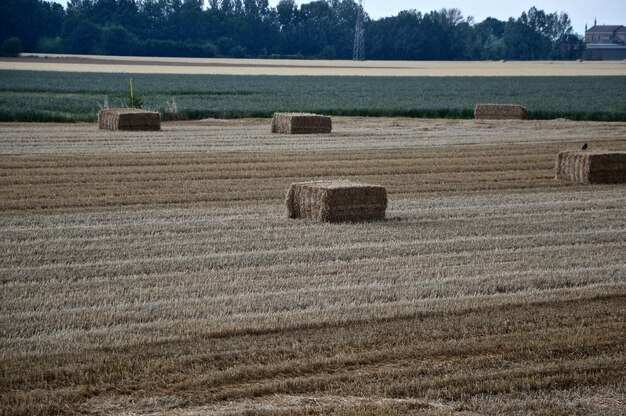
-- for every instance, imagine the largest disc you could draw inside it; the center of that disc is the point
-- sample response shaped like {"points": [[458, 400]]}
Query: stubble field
{"points": [[156, 273], [291, 67]]}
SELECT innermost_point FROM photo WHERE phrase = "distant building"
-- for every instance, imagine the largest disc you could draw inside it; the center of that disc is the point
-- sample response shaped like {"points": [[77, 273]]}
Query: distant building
{"points": [[606, 34], [605, 43]]}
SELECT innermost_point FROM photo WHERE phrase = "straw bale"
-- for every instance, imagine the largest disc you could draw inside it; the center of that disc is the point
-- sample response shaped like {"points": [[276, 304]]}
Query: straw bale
{"points": [[336, 201], [591, 167], [500, 112], [128, 119], [300, 123]]}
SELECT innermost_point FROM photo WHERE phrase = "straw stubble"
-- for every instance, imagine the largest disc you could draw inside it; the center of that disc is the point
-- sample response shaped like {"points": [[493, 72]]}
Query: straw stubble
{"points": [[144, 276]]}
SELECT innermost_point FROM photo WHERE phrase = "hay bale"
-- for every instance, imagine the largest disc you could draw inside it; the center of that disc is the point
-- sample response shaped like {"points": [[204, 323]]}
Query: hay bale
{"points": [[300, 123], [335, 201], [591, 167], [129, 119], [500, 112]]}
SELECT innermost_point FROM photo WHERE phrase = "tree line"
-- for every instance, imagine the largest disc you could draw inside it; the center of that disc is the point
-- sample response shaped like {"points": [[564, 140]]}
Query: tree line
{"points": [[251, 28]]}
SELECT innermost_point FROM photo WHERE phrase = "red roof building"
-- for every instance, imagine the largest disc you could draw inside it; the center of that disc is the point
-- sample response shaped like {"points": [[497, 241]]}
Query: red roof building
{"points": [[605, 43]]}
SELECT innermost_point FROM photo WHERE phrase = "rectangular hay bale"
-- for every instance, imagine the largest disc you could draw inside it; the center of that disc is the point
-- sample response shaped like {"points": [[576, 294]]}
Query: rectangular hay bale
{"points": [[336, 201], [133, 119], [591, 166], [500, 112], [301, 123]]}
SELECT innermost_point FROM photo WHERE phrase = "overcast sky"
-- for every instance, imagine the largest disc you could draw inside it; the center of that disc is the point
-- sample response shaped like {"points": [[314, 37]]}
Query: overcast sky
{"points": [[581, 12]]}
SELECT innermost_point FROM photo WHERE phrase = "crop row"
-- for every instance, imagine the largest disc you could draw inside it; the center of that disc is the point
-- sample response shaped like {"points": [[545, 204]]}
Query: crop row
{"points": [[59, 96]]}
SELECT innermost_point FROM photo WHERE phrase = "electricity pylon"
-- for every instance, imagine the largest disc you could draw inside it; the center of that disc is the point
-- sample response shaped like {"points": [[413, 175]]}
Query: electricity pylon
{"points": [[358, 53]]}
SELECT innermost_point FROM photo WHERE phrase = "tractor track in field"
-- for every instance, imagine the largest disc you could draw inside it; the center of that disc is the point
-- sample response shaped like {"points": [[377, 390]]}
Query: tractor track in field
{"points": [[156, 273]]}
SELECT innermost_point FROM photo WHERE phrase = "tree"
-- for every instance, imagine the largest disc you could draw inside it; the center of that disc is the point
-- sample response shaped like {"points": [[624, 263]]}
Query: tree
{"points": [[237, 52], [537, 35], [490, 27], [186, 21], [328, 52], [51, 18], [11, 46], [448, 17], [287, 11], [319, 28], [227, 7], [79, 35], [117, 40], [29, 20], [47, 44], [565, 43], [494, 48], [401, 37], [153, 17], [225, 44], [570, 47]]}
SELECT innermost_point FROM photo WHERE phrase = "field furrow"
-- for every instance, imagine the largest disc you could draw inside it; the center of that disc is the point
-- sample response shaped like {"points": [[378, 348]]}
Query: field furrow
{"points": [[157, 273]]}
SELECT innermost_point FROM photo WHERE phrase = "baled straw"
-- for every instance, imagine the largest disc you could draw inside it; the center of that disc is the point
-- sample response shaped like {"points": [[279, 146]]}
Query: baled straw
{"points": [[129, 119], [591, 166], [500, 112], [335, 201], [301, 123]]}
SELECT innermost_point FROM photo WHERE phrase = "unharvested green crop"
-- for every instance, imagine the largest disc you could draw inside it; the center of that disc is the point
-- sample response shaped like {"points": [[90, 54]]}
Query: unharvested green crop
{"points": [[133, 100], [62, 96]]}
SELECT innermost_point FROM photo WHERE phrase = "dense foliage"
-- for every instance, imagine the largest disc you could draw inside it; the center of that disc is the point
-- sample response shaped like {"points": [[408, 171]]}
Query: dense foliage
{"points": [[67, 96], [240, 28]]}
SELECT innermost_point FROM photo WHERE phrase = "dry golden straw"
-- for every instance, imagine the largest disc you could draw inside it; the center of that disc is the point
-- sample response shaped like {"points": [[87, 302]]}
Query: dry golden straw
{"points": [[161, 65], [129, 119], [591, 167], [500, 112], [300, 123], [335, 201], [161, 267]]}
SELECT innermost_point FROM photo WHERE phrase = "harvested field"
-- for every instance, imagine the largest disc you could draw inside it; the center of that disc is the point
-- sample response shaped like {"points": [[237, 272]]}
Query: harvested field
{"points": [[161, 65], [156, 272]]}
